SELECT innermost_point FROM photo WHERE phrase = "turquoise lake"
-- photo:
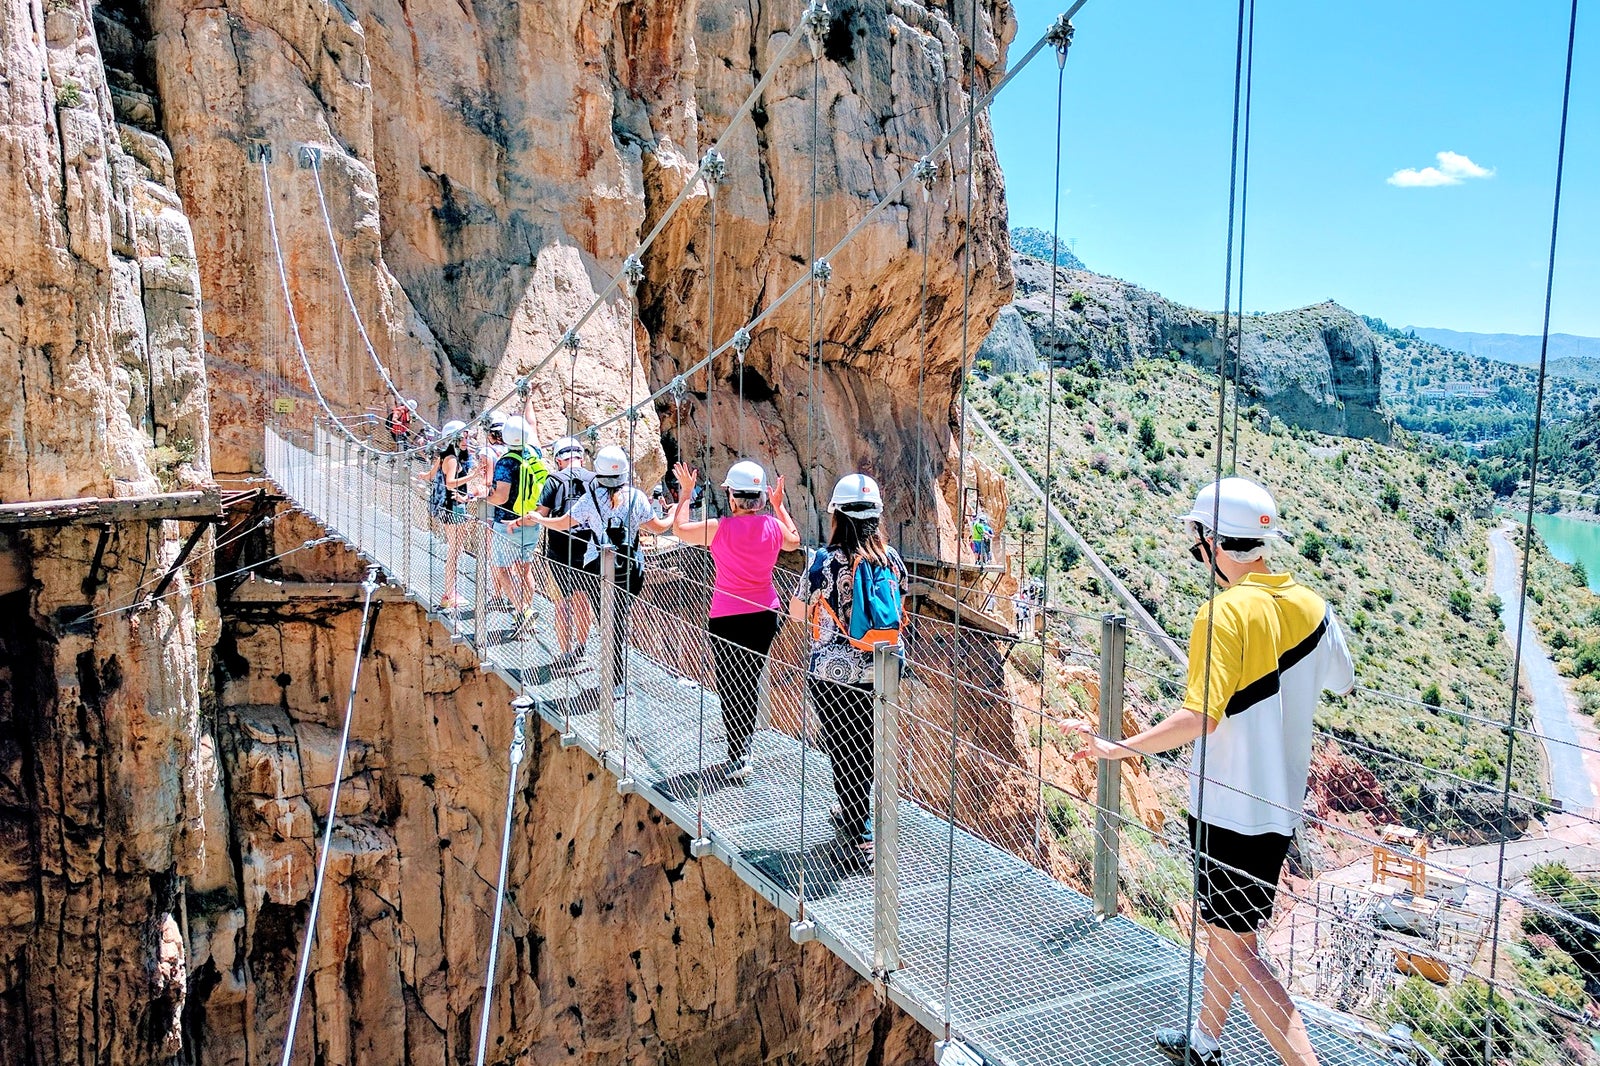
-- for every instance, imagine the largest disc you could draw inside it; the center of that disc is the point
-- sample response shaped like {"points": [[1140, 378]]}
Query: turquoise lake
{"points": [[1572, 539]]}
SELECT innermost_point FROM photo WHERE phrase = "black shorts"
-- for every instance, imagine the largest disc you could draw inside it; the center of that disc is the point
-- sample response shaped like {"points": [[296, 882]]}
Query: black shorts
{"points": [[570, 579], [1238, 875]]}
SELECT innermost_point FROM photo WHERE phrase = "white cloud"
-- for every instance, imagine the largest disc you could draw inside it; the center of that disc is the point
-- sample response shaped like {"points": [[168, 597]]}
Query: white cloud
{"points": [[1453, 169]]}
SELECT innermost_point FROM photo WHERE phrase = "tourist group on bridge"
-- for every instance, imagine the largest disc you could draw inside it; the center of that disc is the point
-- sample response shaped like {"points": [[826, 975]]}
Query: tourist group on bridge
{"points": [[1261, 651]]}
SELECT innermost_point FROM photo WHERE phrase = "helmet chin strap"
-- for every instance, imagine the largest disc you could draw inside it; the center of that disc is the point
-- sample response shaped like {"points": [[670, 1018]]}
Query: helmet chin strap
{"points": [[1203, 552]]}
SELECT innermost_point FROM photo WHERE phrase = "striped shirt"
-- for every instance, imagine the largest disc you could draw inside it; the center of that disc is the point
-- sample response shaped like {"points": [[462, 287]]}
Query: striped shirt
{"points": [[1274, 647]]}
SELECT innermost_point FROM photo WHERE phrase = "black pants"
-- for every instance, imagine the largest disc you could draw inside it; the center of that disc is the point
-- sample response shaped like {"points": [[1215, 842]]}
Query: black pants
{"points": [[739, 648], [846, 715], [628, 580]]}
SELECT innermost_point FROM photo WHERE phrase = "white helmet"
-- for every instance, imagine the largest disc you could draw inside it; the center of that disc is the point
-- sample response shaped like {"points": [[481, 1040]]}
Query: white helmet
{"points": [[857, 495], [1240, 508], [452, 427], [515, 431], [611, 467], [567, 448], [411, 405], [746, 478]]}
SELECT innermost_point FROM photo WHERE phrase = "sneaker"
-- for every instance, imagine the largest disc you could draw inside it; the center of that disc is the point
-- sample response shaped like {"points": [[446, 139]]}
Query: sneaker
{"points": [[1174, 1043], [741, 771], [498, 603]]}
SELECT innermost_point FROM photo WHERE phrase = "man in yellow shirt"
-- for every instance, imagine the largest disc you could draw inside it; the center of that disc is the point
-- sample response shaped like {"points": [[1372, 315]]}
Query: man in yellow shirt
{"points": [[1261, 652]]}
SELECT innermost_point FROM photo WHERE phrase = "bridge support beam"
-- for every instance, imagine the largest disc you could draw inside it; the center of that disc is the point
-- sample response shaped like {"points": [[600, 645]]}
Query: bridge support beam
{"points": [[608, 643], [1108, 774]]}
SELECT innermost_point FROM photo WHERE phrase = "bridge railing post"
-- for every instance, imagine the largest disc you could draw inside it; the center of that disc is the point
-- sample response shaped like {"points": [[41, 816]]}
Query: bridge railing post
{"points": [[1108, 773], [482, 576], [608, 648], [886, 809]]}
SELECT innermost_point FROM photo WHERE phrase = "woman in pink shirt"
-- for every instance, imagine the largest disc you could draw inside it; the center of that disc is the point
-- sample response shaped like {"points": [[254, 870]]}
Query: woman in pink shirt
{"points": [[744, 614]]}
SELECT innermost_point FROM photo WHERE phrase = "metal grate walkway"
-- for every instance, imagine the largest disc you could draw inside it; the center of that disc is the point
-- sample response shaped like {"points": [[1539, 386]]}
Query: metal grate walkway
{"points": [[1025, 973]]}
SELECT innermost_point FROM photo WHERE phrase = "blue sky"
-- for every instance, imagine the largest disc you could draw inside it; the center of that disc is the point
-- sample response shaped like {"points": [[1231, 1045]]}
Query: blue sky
{"points": [[1346, 96]]}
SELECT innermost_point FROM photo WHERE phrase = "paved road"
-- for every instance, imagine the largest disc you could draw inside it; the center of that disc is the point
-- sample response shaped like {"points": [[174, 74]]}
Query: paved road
{"points": [[1569, 781]]}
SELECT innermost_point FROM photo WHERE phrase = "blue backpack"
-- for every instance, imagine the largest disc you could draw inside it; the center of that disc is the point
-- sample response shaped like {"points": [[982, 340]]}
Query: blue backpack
{"points": [[874, 608]]}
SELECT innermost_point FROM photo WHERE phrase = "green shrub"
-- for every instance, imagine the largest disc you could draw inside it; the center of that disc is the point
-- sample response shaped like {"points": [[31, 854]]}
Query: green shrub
{"points": [[1461, 603], [1312, 546], [1390, 497]]}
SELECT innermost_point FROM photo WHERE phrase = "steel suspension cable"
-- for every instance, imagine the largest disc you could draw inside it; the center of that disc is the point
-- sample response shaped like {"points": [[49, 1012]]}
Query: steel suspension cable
{"points": [[1063, 31], [812, 278], [961, 476], [344, 283], [1212, 575], [1527, 525], [368, 587], [483, 416], [519, 730], [890, 196], [1244, 203]]}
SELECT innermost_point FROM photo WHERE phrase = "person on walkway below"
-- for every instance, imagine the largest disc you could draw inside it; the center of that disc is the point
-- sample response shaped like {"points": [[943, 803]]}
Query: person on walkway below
{"points": [[565, 550], [614, 513], [744, 602], [1262, 651], [519, 477], [447, 500], [840, 679]]}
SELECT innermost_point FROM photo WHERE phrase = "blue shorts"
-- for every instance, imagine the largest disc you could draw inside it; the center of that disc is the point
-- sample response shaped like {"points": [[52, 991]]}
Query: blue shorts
{"points": [[513, 546]]}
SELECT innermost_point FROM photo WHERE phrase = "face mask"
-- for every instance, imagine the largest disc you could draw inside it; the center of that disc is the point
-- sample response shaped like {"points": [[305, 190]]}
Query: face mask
{"points": [[1200, 552]]}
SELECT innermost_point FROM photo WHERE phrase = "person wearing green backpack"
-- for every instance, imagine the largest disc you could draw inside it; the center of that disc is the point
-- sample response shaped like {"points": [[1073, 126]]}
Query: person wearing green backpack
{"points": [[851, 595], [519, 476]]}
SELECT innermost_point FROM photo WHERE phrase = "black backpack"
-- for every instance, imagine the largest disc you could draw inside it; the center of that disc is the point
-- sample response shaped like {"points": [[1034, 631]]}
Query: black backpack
{"points": [[625, 539]]}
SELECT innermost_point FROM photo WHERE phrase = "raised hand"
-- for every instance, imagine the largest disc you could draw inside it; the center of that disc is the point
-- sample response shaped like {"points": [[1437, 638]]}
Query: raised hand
{"points": [[776, 495], [687, 479]]}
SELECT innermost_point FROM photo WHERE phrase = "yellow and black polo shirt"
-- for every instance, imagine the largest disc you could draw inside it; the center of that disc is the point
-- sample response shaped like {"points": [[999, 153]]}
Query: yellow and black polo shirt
{"points": [[1274, 647]]}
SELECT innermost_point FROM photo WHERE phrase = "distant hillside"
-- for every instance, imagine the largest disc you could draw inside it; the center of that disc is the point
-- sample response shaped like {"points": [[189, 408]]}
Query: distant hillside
{"points": [[1036, 244], [1517, 348], [1316, 367]]}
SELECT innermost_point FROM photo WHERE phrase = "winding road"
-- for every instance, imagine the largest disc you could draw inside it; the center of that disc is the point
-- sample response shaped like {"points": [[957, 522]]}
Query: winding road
{"points": [[1551, 700]]}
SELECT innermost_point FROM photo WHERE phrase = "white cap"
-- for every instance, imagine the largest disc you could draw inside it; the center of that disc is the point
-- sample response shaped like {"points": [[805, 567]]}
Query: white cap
{"points": [[611, 466], [411, 405], [567, 448], [1240, 508], [516, 431], [857, 495], [746, 476]]}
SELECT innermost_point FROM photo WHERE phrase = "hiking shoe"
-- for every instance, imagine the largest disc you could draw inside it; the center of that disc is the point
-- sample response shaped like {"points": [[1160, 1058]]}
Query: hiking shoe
{"points": [[1174, 1043], [741, 771]]}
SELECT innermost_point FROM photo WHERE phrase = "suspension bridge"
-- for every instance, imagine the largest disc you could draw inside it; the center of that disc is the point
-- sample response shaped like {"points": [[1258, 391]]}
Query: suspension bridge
{"points": [[968, 917]]}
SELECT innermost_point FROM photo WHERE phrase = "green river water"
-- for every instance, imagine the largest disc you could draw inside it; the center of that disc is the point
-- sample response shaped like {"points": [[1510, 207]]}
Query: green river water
{"points": [[1571, 540]]}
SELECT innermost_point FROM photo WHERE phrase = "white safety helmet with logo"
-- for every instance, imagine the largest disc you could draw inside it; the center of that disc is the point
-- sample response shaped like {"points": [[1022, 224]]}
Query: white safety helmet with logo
{"points": [[515, 431], [746, 478], [567, 448], [858, 496], [1240, 509], [611, 467]]}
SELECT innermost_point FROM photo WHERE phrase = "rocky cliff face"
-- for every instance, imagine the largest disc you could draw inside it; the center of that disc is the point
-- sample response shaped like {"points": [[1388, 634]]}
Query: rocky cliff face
{"points": [[1315, 367], [101, 761], [485, 169]]}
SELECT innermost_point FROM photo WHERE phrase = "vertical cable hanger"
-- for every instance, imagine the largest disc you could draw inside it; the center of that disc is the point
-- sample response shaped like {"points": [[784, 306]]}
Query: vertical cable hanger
{"points": [[1244, 201], [1528, 533], [816, 21], [926, 172], [1201, 745], [1061, 38], [714, 171]]}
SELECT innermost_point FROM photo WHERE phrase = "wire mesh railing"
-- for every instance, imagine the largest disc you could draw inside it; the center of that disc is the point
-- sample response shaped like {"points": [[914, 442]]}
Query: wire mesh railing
{"points": [[931, 822]]}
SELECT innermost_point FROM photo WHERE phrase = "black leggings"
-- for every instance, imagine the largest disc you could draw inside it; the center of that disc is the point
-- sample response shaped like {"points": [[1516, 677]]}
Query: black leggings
{"points": [[739, 649], [629, 581], [846, 715]]}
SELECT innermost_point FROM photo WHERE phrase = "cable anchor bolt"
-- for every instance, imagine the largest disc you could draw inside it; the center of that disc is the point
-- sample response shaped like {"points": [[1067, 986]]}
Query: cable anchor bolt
{"points": [[370, 585], [1059, 35], [569, 341], [740, 342], [714, 168], [815, 22], [822, 271]]}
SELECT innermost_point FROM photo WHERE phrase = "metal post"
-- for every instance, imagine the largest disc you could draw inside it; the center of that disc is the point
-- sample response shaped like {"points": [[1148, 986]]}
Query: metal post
{"points": [[519, 737], [407, 578], [482, 577], [608, 643], [886, 809], [1108, 774]]}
